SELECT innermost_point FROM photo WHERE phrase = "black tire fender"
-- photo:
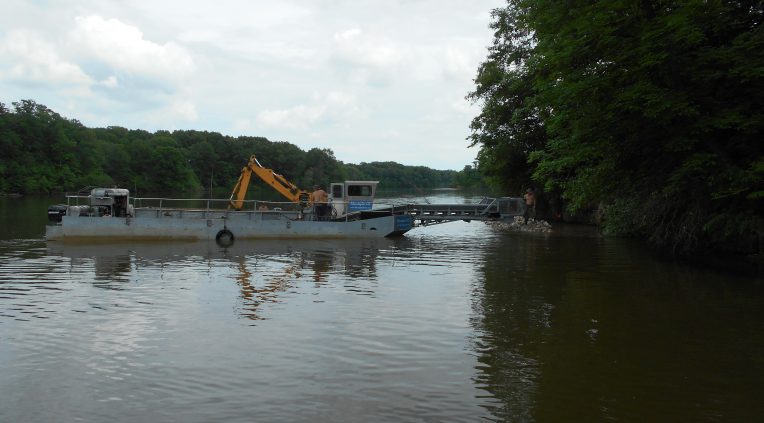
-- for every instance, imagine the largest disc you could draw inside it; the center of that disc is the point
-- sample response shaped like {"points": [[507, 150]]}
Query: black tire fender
{"points": [[224, 238]]}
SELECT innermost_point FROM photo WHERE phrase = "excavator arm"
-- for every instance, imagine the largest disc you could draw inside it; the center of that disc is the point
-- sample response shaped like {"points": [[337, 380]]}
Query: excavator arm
{"points": [[278, 182]]}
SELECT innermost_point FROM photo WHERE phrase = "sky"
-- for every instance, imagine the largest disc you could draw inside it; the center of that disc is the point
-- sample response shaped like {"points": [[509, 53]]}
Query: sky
{"points": [[371, 80]]}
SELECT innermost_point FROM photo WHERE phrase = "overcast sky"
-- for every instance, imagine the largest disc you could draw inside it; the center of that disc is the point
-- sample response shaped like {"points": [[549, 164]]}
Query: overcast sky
{"points": [[372, 80]]}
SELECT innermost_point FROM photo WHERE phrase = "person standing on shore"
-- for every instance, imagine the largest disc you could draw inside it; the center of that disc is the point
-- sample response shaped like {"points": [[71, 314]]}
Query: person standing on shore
{"points": [[530, 205]]}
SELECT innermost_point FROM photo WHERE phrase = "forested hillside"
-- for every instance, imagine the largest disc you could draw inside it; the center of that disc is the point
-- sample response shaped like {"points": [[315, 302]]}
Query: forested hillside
{"points": [[651, 113], [43, 152]]}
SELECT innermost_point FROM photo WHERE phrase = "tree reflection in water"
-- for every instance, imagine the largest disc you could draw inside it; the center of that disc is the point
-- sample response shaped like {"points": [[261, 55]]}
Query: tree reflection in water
{"points": [[590, 329]]}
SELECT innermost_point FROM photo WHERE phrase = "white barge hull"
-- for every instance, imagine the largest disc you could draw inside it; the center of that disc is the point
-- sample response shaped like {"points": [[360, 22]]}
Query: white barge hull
{"points": [[209, 225]]}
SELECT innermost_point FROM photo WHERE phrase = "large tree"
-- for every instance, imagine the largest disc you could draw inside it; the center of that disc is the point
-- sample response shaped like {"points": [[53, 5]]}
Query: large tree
{"points": [[510, 125], [651, 110]]}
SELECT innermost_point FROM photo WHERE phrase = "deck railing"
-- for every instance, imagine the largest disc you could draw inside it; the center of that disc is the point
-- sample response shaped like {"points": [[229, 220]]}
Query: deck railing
{"points": [[488, 207]]}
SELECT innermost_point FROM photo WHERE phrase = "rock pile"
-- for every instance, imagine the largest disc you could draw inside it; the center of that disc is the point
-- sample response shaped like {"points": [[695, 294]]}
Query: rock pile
{"points": [[518, 225]]}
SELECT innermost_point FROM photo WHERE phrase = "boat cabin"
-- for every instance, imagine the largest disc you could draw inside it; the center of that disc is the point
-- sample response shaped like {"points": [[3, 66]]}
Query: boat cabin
{"points": [[110, 201], [352, 196]]}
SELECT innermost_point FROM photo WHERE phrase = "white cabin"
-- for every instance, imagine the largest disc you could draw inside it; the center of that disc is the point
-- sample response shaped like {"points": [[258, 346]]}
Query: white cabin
{"points": [[352, 196]]}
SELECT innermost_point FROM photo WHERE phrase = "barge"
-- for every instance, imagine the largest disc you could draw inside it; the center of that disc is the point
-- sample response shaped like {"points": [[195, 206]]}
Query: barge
{"points": [[348, 210], [110, 213]]}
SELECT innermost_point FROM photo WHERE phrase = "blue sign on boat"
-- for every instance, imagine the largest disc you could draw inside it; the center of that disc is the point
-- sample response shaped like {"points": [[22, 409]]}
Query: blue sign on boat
{"points": [[358, 205], [404, 223]]}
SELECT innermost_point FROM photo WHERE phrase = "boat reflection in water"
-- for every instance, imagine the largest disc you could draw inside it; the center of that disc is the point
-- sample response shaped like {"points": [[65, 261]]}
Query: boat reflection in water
{"points": [[263, 269]]}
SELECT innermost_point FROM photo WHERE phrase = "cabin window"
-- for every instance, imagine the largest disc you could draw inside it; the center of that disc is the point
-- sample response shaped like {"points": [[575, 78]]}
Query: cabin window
{"points": [[336, 191], [359, 191]]}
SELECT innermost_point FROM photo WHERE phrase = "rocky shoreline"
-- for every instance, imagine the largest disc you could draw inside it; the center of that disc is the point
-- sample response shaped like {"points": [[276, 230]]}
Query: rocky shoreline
{"points": [[517, 224]]}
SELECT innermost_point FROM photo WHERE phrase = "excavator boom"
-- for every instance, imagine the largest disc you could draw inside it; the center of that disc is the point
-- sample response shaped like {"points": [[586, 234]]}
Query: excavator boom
{"points": [[289, 190]]}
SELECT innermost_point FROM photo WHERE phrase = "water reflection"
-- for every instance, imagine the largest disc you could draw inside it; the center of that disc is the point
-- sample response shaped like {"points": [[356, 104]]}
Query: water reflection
{"points": [[111, 270], [596, 329], [263, 270], [268, 269], [511, 315], [253, 293], [450, 323]]}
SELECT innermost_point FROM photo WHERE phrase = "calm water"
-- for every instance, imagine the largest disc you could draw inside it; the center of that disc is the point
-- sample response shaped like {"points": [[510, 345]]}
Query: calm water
{"points": [[455, 322]]}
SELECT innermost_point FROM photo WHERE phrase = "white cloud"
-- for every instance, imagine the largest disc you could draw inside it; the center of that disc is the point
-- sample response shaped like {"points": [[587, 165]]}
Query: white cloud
{"points": [[201, 36], [386, 71], [110, 82], [124, 49], [458, 63], [367, 58], [375, 59], [348, 35], [182, 109], [92, 58], [366, 49], [464, 106], [334, 106], [300, 116], [242, 125], [36, 60]]}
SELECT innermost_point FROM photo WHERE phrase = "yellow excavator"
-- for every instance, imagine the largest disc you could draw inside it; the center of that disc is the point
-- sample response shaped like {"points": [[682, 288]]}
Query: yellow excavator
{"points": [[278, 182]]}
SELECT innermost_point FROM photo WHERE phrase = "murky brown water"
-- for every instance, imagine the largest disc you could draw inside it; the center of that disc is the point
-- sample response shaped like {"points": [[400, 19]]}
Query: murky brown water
{"points": [[456, 322]]}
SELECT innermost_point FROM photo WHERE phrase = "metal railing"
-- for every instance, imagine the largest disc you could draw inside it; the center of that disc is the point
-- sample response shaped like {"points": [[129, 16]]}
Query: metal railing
{"points": [[429, 212]]}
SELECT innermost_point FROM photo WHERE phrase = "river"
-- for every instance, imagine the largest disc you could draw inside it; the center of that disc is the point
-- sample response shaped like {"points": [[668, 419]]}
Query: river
{"points": [[457, 322]]}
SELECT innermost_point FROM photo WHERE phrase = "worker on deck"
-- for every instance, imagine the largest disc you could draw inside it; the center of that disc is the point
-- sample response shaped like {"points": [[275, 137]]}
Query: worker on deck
{"points": [[320, 200]]}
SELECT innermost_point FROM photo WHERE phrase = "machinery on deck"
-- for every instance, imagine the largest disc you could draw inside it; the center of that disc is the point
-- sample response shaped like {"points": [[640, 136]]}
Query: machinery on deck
{"points": [[278, 182], [343, 197], [100, 202]]}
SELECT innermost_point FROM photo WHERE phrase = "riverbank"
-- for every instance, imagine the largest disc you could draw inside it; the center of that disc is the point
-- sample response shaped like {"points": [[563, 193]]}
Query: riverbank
{"points": [[519, 225]]}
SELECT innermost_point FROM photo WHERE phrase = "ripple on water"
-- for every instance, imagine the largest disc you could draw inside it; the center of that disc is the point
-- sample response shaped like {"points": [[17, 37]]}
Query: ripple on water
{"points": [[454, 322]]}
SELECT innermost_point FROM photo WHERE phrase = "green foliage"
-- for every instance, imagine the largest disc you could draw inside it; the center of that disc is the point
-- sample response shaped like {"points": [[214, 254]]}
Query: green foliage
{"points": [[396, 175], [510, 124], [470, 177], [652, 111], [43, 152]]}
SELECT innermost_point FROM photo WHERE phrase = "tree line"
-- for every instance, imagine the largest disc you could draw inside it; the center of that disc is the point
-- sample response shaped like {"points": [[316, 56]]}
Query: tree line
{"points": [[43, 152], [649, 113]]}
